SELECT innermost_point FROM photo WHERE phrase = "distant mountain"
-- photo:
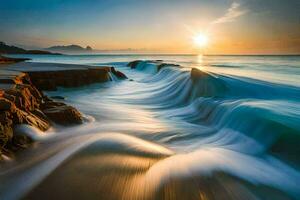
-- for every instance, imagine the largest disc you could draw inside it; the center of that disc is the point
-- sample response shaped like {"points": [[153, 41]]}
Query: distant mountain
{"points": [[69, 48], [6, 49]]}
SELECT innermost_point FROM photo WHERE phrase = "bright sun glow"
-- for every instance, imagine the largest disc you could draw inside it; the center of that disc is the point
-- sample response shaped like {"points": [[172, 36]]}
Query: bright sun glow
{"points": [[200, 40]]}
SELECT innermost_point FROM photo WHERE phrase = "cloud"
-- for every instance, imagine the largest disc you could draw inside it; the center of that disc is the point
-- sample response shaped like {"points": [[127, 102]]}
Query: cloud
{"points": [[232, 13]]}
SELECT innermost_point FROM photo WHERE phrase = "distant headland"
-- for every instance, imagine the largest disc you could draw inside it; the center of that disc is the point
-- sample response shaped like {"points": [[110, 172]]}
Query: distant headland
{"points": [[7, 49], [69, 48]]}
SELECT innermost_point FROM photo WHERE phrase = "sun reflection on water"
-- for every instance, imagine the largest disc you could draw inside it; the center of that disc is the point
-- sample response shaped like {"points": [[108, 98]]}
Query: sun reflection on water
{"points": [[200, 65]]}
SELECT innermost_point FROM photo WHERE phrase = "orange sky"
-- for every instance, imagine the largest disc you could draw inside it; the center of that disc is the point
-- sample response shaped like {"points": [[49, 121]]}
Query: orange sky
{"points": [[233, 27]]}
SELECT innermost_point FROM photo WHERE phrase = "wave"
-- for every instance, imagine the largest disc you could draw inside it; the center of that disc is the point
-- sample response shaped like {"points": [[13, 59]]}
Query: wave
{"points": [[168, 132]]}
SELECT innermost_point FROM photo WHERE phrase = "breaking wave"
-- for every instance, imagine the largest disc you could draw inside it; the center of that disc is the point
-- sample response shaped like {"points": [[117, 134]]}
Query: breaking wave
{"points": [[169, 132]]}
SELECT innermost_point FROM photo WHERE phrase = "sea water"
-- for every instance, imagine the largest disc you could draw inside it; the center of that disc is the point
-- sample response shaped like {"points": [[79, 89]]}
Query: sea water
{"points": [[234, 133]]}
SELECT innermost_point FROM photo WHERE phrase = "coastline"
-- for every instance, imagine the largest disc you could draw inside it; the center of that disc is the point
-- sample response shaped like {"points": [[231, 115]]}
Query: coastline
{"points": [[23, 102], [117, 149], [8, 60]]}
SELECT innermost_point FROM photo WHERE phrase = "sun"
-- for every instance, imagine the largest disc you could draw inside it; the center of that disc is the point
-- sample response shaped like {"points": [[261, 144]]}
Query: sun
{"points": [[200, 40]]}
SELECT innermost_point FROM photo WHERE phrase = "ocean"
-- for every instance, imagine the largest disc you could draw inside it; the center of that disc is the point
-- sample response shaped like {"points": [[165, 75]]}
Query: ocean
{"points": [[234, 133]]}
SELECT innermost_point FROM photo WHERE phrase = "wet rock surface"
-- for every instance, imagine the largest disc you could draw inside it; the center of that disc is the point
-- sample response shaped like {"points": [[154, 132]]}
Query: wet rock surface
{"points": [[133, 64], [118, 74], [19, 104], [23, 102], [62, 114], [50, 80], [160, 64]]}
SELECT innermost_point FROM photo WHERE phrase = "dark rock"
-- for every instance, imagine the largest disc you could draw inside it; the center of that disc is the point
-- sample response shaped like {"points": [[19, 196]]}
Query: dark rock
{"points": [[5, 104], [50, 80], [23, 103], [21, 141], [58, 97], [6, 49], [160, 66], [133, 64], [118, 73], [64, 115], [88, 48], [6, 130], [51, 104], [197, 74], [33, 120], [207, 84]]}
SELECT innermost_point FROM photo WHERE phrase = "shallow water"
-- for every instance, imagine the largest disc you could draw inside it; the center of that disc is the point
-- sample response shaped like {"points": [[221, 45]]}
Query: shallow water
{"points": [[232, 134]]}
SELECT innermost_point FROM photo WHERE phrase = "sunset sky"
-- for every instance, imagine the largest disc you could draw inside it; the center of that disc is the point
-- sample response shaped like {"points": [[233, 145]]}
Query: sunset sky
{"points": [[232, 27]]}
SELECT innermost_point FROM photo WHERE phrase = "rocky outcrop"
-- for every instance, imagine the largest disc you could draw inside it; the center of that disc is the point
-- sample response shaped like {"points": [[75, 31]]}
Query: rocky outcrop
{"points": [[118, 74], [50, 80], [197, 74], [22, 103], [162, 65], [133, 64], [159, 63], [207, 84], [5, 60], [61, 113]]}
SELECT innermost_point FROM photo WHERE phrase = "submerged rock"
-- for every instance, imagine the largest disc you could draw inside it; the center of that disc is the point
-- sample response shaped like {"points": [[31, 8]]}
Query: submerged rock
{"points": [[162, 65], [133, 64], [159, 64], [207, 84]]}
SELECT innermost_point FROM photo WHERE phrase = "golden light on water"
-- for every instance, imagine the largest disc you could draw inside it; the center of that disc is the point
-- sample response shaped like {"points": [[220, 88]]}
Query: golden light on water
{"points": [[200, 62]]}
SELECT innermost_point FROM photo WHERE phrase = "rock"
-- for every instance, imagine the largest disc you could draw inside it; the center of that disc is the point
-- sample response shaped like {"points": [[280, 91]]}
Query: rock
{"points": [[64, 115], [6, 131], [22, 103], [133, 64], [159, 63], [5, 104], [51, 104], [198, 74], [118, 73], [206, 84], [162, 65], [5, 60], [21, 141], [50, 80], [34, 120], [58, 97], [88, 48]]}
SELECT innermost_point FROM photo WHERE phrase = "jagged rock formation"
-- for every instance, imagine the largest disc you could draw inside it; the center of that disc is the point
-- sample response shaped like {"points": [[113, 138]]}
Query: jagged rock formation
{"points": [[23, 102], [50, 80]]}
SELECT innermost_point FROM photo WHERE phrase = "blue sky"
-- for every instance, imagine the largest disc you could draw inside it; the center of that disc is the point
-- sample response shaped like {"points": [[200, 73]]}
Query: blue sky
{"points": [[262, 26]]}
